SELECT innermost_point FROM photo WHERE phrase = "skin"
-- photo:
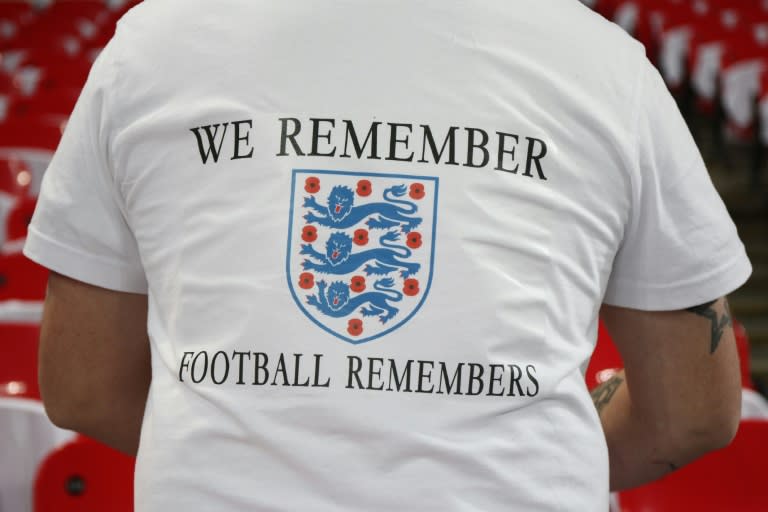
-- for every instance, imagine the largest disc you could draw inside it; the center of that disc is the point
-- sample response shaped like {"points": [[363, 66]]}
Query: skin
{"points": [[679, 395], [678, 398], [94, 362]]}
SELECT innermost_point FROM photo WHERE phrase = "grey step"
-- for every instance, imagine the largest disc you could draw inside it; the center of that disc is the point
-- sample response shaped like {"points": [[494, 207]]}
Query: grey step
{"points": [[746, 304], [759, 360], [757, 330]]}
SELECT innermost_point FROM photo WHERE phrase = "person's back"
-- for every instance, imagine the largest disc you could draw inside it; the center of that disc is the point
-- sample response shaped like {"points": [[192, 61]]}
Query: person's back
{"points": [[375, 238]]}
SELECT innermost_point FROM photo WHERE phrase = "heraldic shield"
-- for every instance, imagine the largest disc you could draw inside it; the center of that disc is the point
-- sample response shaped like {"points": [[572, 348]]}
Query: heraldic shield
{"points": [[361, 248]]}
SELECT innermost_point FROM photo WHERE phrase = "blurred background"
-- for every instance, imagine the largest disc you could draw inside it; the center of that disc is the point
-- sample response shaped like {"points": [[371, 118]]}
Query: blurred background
{"points": [[713, 55]]}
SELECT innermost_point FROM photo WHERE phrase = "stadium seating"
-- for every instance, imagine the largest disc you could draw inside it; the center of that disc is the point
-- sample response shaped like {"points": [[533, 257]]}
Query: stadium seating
{"points": [[21, 278], [731, 479], [18, 366], [85, 476]]}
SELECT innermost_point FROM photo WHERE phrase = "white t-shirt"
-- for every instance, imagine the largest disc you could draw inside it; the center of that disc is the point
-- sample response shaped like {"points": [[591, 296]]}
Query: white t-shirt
{"points": [[350, 308]]}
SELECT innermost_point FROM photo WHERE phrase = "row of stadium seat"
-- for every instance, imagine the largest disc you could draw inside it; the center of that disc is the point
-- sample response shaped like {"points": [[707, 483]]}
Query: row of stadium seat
{"points": [[713, 55], [46, 51]]}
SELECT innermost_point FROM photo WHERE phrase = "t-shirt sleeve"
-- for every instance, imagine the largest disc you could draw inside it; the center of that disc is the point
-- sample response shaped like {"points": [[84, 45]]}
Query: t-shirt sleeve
{"points": [[79, 227], [680, 246]]}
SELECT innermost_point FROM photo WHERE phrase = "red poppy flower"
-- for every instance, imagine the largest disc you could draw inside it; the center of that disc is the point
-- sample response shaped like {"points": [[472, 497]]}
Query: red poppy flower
{"points": [[417, 191], [355, 327], [364, 188], [306, 280], [357, 284], [413, 240], [411, 287], [361, 237], [309, 234], [312, 184]]}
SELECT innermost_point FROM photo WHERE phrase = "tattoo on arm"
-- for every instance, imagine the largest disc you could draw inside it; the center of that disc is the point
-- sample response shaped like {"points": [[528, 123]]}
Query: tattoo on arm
{"points": [[716, 324], [603, 393]]}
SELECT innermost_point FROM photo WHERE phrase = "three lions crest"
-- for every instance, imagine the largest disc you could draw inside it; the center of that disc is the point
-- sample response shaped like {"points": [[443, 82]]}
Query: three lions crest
{"points": [[360, 249]]}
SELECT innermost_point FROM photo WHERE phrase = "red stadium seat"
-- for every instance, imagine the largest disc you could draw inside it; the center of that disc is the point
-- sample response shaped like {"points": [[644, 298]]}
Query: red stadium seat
{"points": [[605, 359], [52, 104], [21, 278], [733, 478], [743, 62], [708, 42], [86, 476], [15, 176], [19, 133], [19, 218], [18, 366]]}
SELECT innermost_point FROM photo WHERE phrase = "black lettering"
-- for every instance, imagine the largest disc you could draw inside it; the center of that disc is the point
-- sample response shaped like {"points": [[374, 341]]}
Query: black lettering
{"points": [[184, 365], [240, 356], [281, 370], [316, 382], [296, 369], [405, 377], [496, 378], [316, 136], [353, 370], [394, 141], [372, 136], [530, 370], [449, 383], [289, 137], [260, 368], [205, 366], [425, 375], [475, 379], [238, 138], [515, 374], [472, 146], [375, 370], [535, 158], [212, 148], [450, 141], [510, 152], [213, 367]]}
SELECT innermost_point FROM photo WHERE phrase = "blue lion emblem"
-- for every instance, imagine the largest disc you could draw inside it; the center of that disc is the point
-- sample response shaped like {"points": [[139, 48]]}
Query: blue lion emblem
{"points": [[339, 258], [341, 213], [336, 302]]}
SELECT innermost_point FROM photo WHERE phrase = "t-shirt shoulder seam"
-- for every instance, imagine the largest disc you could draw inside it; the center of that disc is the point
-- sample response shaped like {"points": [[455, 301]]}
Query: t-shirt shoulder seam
{"points": [[86, 256], [723, 274]]}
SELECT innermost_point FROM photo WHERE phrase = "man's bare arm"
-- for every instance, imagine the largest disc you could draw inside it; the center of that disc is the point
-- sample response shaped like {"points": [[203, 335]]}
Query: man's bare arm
{"points": [[679, 396], [95, 361]]}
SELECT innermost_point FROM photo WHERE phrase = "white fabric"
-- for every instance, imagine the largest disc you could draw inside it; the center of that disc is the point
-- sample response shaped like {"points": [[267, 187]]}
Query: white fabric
{"points": [[27, 437], [621, 206]]}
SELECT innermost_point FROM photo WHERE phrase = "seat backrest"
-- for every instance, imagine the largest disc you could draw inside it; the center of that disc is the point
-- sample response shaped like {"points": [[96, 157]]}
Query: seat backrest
{"points": [[86, 476], [19, 217], [733, 478], [18, 364], [21, 278]]}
